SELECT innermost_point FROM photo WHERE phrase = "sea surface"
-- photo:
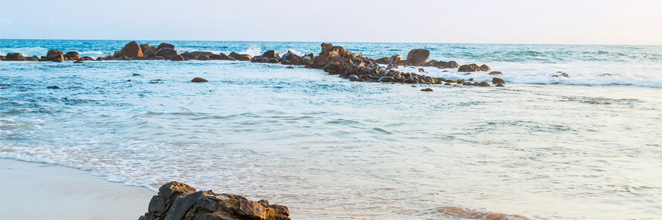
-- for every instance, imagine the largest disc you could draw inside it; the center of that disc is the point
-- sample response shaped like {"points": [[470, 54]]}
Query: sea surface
{"points": [[584, 147]]}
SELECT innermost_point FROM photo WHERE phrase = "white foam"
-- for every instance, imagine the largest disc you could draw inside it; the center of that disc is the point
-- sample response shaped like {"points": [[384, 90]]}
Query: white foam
{"points": [[253, 50]]}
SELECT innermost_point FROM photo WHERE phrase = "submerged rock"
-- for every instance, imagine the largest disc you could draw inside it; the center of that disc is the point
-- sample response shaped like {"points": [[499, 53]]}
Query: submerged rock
{"points": [[178, 201], [198, 80], [427, 90], [495, 73]]}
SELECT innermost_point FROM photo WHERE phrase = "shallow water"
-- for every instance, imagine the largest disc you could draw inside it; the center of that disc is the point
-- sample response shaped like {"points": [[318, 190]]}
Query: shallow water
{"points": [[333, 149]]}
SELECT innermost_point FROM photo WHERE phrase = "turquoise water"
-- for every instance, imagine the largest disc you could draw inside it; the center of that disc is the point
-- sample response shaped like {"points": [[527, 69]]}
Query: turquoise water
{"points": [[587, 147]]}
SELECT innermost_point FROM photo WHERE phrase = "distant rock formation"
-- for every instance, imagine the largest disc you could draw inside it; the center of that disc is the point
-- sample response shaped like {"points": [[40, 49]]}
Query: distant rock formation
{"points": [[178, 201]]}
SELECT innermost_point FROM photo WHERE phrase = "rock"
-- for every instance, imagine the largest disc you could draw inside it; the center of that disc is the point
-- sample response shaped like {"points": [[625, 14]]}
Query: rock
{"points": [[203, 57], [14, 57], [145, 47], [78, 61], [198, 80], [499, 85], [51, 53], [483, 84], [272, 60], [225, 57], [496, 80], [484, 68], [165, 45], [452, 64], [166, 52], [87, 58], [416, 57], [159, 58], [173, 189], [495, 73], [427, 90], [32, 58], [99, 59], [149, 52], [421, 70], [468, 68], [565, 75], [383, 60], [326, 56], [188, 55], [207, 205], [132, 49], [215, 57], [56, 58], [448, 84], [177, 58], [290, 67], [271, 54], [353, 77], [53, 87], [394, 59], [606, 74], [243, 57], [2, 58], [72, 55], [326, 48], [124, 58]]}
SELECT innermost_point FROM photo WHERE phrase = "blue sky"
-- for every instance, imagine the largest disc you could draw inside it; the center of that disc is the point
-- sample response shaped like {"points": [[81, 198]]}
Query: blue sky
{"points": [[633, 22]]}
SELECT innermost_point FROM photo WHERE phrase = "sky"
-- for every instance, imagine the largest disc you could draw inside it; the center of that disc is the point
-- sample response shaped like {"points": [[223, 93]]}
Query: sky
{"points": [[611, 22]]}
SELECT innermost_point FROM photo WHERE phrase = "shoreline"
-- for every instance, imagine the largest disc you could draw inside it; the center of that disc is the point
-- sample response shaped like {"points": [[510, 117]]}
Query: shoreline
{"points": [[33, 190]]}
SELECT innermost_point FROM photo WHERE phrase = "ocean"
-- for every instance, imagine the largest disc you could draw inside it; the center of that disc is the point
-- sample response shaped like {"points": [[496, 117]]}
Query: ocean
{"points": [[584, 147]]}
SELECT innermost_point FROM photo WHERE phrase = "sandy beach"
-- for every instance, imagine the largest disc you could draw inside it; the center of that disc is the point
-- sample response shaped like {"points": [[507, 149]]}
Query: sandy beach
{"points": [[43, 191]]}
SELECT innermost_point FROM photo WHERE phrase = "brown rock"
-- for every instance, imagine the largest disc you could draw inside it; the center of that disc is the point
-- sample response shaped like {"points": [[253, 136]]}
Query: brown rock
{"points": [[166, 52], [165, 45], [484, 68], [383, 60], [132, 49], [495, 73], [51, 53], [416, 57], [174, 189], [243, 57], [271, 54], [225, 57], [177, 58], [395, 59], [499, 85], [203, 57], [468, 68], [145, 47], [149, 52], [452, 64], [198, 80], [72, 55], [496, 80], [14, 57]]}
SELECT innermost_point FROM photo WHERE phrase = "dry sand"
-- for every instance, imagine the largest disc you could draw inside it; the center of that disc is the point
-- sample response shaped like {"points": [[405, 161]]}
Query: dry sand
{"points": [[43, 191]]}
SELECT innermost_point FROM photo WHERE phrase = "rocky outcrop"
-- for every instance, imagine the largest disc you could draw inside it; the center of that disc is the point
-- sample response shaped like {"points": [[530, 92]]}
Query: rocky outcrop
{"points": [[132, 49], [223, 56], [469, 68], [178, 201], [72, 55], [416, 57], [51, 53], [14, 57], [271, 54], [165, 45], [167, 52], [452, 64]]}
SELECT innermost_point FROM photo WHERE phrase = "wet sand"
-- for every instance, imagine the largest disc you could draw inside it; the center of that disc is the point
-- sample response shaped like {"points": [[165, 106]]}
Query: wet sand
{"points": [[42, 191]]}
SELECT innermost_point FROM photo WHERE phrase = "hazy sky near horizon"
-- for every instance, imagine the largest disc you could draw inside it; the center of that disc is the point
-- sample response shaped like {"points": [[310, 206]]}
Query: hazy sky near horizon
{"points": [[632, 22]]}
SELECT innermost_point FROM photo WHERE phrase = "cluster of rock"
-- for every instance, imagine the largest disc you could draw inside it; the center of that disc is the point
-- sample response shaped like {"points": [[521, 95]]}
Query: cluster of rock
{"points": [[332, 59], [178, 201]]}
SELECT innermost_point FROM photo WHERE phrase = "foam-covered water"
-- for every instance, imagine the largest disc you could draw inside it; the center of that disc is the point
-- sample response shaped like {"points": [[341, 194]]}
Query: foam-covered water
{"points": [[587, 147]]}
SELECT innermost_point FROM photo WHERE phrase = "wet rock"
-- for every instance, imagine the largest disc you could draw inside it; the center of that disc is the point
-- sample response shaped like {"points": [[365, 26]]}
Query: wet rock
{"points": [[495, 73], [14, 57], [499, 85], [177, 58], [421, 70], [2, 58], [72, 55], [78, 61], [452, 64], [51, 53], [145, 47], [166, 52], [326, 48], [32, 58], [124, 58], [99, 59], [87, 58], [416, 57], [272, 60], [165, 45], [448, 84], [271, 54], [484, 68], [207, 205], [483, 84], [223, 56], [203, 57], [159, 58], [198, 80], [149, 52], [394, 59], [427, 90], [605, 74], [565, 75], [468, 68], [496, 80], [383, 60], [131, 49], [324, 57], [290, 67], [188, 55], [53, 87], [215, 57], [353, 77]]}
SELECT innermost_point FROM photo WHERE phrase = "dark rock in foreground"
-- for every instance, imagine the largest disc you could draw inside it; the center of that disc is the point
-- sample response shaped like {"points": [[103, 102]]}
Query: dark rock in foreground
{"points": [[178, 201]]}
